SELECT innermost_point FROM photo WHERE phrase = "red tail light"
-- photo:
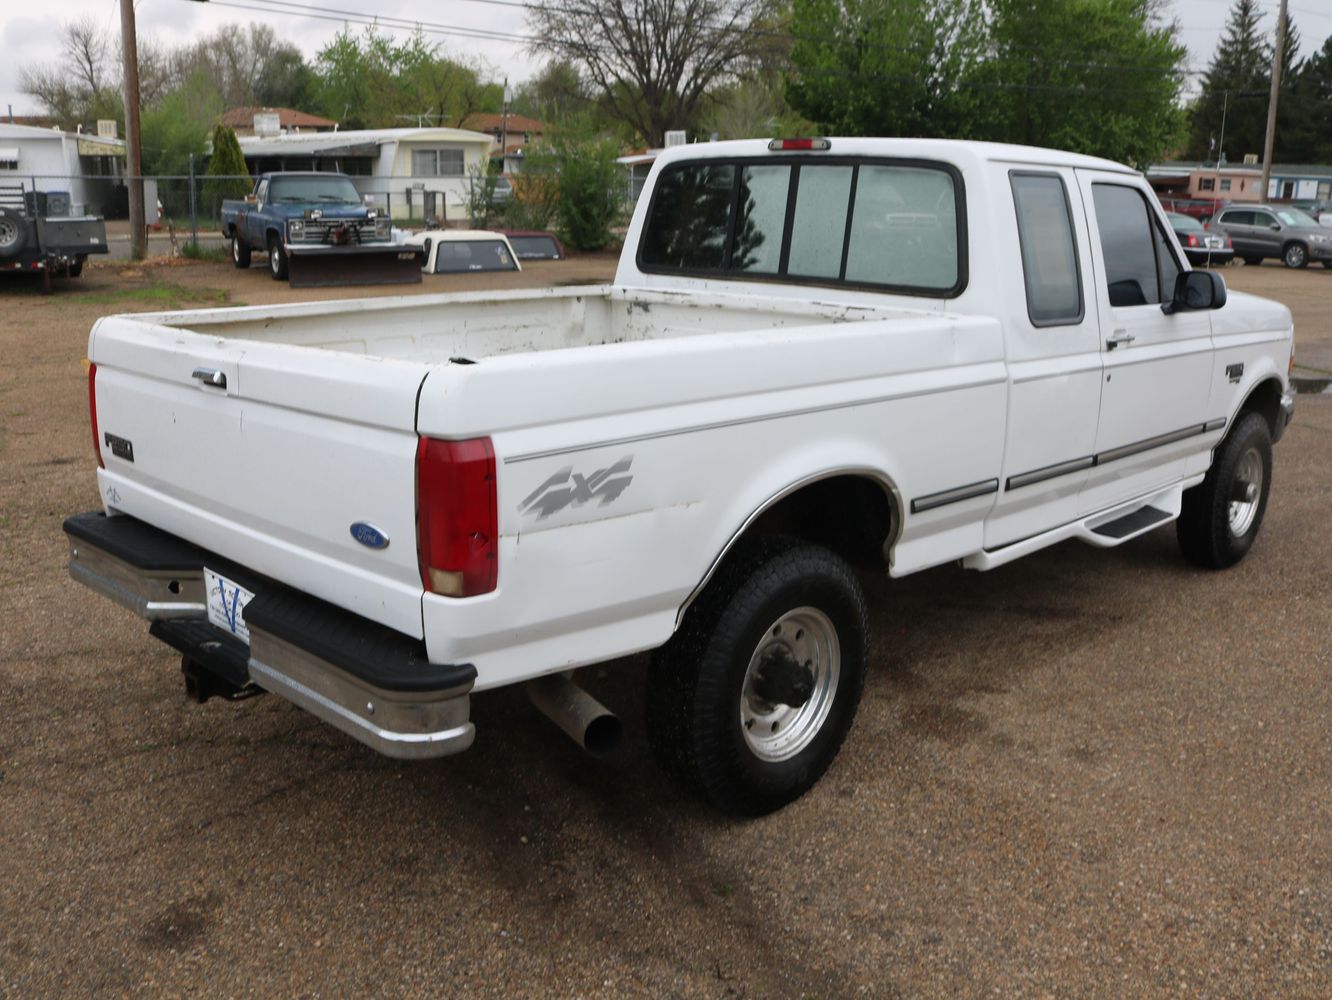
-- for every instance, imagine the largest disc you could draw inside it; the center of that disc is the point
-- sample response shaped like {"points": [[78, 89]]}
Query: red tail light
{"points": [[1193, 240], [457, 516], [92, 414]]}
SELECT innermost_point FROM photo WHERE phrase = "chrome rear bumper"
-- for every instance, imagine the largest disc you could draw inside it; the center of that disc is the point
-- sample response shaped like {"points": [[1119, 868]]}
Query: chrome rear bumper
{"points": [[374, 684]]}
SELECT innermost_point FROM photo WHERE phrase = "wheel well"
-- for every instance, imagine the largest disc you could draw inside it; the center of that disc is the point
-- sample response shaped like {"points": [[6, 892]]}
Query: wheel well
{"points": [[1293, 243], [851, 514], [1265, 399]]}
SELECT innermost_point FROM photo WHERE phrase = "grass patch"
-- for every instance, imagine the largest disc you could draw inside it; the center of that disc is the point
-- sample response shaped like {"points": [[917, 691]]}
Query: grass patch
{"points": [[195, 251], [158, 295]]}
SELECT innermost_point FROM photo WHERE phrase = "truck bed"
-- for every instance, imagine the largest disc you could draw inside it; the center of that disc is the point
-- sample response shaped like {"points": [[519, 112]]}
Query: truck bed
{"points": [[474, 326]]}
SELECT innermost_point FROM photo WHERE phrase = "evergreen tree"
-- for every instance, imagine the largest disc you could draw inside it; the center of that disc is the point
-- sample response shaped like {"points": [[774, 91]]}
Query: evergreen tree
{"points": [[227, 175], [1304, 116], [1235, 88]]}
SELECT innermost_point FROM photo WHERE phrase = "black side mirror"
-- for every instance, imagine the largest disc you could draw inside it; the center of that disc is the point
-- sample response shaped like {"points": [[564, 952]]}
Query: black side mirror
{"points": [[1275, 227], [1195, 290]]}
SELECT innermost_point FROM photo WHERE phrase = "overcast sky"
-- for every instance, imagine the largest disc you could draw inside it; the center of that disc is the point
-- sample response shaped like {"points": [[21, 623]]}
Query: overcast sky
{"points": [[34, 37]]}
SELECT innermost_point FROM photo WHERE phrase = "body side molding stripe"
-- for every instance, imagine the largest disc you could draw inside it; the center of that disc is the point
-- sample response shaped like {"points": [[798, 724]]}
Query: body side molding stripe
{"points": [[955, 495], [1050, 472], [1113, 455], [1160, 441]]}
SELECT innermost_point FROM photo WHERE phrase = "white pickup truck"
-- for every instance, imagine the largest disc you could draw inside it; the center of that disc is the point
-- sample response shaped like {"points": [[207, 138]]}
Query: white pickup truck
{"points": [[816, 354]]}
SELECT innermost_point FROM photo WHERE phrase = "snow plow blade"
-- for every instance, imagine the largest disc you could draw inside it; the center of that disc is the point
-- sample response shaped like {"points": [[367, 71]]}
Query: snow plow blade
{"points": [[372, 264]]}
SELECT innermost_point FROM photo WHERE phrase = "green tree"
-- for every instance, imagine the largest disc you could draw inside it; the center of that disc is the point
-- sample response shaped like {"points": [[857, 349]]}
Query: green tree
{"points": [[1101, 77], [177, 126], [1235, 88], [1304, 129], [227, 176], [371, 81], [591, 194], [557, 92], [885, 67]]}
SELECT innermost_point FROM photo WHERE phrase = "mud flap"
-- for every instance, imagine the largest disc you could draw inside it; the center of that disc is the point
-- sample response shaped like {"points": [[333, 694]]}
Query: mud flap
{"points": [[375, 264]]}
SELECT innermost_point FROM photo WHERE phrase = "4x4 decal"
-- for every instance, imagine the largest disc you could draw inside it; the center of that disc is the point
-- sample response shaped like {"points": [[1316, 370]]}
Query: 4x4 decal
{"points": [[567, 488]]}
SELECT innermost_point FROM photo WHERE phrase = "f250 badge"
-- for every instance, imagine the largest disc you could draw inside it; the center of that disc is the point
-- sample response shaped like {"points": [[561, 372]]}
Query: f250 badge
{"points": [[567, 488]]}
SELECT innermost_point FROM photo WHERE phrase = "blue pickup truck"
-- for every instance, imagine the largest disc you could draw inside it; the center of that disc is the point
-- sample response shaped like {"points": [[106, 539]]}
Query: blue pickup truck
{"points": [[314, 229]]}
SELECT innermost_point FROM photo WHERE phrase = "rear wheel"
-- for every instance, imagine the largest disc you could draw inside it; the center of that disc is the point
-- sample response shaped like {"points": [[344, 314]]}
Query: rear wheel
{"points": [[751, 700], [277, 259], [1222, 514], [1295, 255], [240, 252], [13, 232], [76, 267]]}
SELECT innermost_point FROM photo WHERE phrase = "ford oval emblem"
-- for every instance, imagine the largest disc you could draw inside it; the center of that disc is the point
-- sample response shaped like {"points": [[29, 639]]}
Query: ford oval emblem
{"points": [[369, 536]]}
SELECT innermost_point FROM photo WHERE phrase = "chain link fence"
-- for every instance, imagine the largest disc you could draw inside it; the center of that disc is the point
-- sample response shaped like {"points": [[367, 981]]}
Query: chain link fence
{"points": [[186, 209]]}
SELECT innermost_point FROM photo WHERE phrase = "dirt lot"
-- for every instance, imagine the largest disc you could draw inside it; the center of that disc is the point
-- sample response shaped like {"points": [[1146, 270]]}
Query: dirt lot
{"points": [[1085, 774]]}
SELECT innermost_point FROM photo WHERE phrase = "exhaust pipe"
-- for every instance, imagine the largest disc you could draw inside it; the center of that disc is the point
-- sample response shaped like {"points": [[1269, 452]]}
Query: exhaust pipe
{"points": [[590, 724]]}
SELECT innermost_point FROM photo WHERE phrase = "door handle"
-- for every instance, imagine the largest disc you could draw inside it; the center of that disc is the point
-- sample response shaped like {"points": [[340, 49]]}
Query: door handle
{"points": [[1117, 338], [211, 376]]}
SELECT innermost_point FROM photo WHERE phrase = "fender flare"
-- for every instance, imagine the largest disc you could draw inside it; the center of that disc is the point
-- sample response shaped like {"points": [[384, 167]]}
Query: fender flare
{"points": [[878, 476]]}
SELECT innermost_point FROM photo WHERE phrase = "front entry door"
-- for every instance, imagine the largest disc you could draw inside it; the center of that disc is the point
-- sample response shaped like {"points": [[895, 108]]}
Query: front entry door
{"points": [[1155, 367]]}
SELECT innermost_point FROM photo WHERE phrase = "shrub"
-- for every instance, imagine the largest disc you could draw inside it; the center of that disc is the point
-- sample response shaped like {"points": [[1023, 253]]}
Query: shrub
{"points": [[590, 192]]}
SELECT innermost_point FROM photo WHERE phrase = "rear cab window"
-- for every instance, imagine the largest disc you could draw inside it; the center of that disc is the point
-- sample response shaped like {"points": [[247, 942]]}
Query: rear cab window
{"points": [[1050, 267], [865, 222]]}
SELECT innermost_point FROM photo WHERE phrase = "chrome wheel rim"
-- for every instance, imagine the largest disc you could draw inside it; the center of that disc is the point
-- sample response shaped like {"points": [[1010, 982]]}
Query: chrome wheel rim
{"points": [[235, 249], [774, 731], [273, 258], [1247, 492], [1295, 256], [8, 233]]}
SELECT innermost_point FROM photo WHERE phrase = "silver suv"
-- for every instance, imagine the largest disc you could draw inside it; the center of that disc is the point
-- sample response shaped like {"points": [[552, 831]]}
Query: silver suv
{"points": [[1281, 231]]}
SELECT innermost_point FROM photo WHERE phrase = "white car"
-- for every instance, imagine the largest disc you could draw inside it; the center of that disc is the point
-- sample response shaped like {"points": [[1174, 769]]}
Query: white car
{"points": [[815, 354], [464, 251]]}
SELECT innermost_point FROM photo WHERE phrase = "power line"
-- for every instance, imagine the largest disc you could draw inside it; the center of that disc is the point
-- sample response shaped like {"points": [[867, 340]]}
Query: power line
{"points": [[439, 28]]}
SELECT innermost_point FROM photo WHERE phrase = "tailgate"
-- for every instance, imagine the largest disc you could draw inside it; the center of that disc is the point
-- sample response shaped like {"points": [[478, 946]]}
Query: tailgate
{"points": [[267, 454]]}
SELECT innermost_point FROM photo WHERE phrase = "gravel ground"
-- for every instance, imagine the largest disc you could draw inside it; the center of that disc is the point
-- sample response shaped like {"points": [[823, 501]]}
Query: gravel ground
{"points": [[1089, 773]]}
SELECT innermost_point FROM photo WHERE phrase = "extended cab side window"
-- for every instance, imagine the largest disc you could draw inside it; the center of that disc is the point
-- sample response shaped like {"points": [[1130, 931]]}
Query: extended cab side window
{"points": [[1049, 251], [1139, 266]]}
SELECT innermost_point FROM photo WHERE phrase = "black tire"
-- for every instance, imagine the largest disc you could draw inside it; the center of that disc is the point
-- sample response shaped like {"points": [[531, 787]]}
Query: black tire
{"points": [[75, 268], [240, 252], [1253, 261], [1216, 527], [701, 685], [14, 234], [1328, 264], [1295, 255], [277, 259]]}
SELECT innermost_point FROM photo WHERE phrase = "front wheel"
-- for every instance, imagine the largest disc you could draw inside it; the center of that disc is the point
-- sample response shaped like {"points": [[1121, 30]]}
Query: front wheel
{"points": [[277, 259], [1295, 255], [240, 252], [1222, 514], [751, 700]]}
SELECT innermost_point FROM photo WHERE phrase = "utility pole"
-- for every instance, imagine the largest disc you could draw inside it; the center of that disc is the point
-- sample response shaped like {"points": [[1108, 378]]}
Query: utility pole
{"points": [[129, 49], [1278, 55], [504, 123]]}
